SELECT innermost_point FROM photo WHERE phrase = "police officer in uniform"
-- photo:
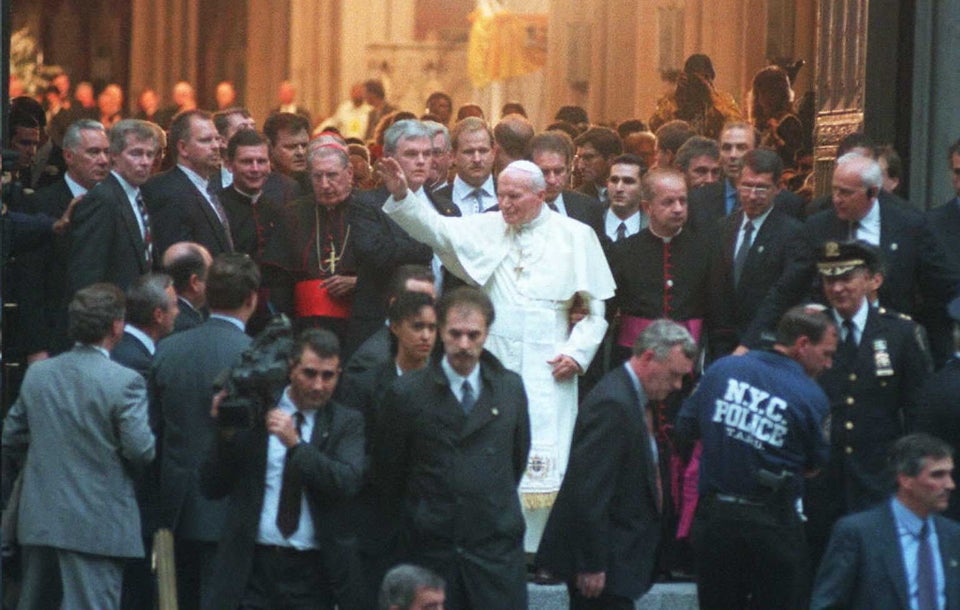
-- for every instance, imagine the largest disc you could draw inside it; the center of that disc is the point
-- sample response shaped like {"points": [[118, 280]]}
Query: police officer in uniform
{"points": [[879, 369], [761, 418]]}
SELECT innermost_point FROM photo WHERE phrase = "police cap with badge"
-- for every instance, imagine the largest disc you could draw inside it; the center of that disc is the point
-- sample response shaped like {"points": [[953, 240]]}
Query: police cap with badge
{"points": [[839, 258]]}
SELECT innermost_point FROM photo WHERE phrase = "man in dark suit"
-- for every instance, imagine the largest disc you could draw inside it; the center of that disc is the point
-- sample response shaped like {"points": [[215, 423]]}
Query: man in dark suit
{"points": [[604, 531], [596, 149], [900, 554], [112, 235], [188, 263], [181, 383], [944, 220], [711, 201], [87, 154], [473, 189], [182, 203], [940, 414], [80, 424], [381, 246], [289, 136], [449, 450], [552, 152], [916, 265], [151, 309], [289, 479], [750, 253]]}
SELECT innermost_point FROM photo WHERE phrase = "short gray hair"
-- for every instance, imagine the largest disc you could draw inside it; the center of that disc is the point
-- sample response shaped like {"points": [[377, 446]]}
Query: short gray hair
{"points": [[401, 584], [142, 130], [406, 129], [437, 128], [72, 138], [871, 176], [147, 293], [662, 336]]}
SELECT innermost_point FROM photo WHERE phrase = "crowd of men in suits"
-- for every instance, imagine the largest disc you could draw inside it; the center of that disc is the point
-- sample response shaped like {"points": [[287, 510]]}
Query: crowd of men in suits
{"points": [[171, 272]]}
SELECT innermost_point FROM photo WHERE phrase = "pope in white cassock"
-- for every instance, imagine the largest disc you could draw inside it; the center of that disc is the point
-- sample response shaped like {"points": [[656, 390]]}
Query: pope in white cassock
{"points": [[535, 264]]}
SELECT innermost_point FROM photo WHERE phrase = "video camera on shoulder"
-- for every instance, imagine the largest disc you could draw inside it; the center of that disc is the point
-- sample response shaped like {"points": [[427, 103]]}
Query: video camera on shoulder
{"points": [[255, 383]]}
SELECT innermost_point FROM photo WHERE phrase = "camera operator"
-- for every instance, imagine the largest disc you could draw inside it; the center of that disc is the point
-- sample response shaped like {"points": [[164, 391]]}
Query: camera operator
{"points": [[761, 418], [289, 476]]}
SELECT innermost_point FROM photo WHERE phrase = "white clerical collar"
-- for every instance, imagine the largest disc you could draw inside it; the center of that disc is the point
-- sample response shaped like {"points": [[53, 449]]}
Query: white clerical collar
{"points": [[142, 337], [76, 189], [198, 181], [661, 237], [254, 198]]}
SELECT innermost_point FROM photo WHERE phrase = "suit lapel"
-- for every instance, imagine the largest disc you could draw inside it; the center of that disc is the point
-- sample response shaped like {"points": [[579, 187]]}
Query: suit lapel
{"points": [[130, 223], [215, 224], [888, 547], [951, 563], [644, 442]]}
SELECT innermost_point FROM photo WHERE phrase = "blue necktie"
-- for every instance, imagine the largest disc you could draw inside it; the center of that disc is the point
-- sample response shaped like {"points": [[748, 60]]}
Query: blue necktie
{"points": [[468, 399]]}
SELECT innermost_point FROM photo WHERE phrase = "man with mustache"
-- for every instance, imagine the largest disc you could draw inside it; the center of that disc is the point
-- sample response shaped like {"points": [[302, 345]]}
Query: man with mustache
{"points": [[536, 266], [474, 151]]}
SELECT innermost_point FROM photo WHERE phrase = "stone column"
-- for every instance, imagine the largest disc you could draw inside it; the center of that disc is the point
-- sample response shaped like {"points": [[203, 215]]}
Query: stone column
{"points": [[936, 79]]}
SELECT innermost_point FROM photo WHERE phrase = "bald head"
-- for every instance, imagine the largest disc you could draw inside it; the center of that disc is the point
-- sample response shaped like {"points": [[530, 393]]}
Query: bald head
{"points": [[187, 263]]}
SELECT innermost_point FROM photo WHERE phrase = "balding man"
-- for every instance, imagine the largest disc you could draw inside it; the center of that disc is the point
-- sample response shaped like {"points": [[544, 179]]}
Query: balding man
{"points": [[187, 263], [535, 265], [918, 269]]}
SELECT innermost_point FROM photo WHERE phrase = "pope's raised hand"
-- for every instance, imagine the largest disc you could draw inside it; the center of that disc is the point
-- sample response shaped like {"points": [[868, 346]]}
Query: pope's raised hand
{"points": [[393, 178]]}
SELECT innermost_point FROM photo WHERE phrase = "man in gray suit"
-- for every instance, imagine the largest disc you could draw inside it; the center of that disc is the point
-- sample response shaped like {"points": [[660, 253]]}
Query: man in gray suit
{"points": [[81, 421], [181, 386]]}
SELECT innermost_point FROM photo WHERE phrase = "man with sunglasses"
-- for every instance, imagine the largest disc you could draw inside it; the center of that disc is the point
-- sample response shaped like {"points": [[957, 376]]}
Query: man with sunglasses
{"points": [[285, 540]]}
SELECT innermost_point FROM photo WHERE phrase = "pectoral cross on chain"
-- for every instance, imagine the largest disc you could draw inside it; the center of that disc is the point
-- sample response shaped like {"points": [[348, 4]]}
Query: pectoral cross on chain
{"points": [[333, 258]]}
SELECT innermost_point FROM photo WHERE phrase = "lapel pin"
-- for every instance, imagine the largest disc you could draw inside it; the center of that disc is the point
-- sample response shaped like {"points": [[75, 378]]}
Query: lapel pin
{"points": [[953, 563], [760, 249], [495, 411], [893, 246]]}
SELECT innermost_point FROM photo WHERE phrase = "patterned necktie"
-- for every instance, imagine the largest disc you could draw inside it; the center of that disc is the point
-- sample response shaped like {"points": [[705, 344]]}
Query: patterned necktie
{"points": [[468, 399], [291, 490], [654, 463], [147, 238], [221, 213], [477, 195], [621, 231], [926, 580], [741, 258]]}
